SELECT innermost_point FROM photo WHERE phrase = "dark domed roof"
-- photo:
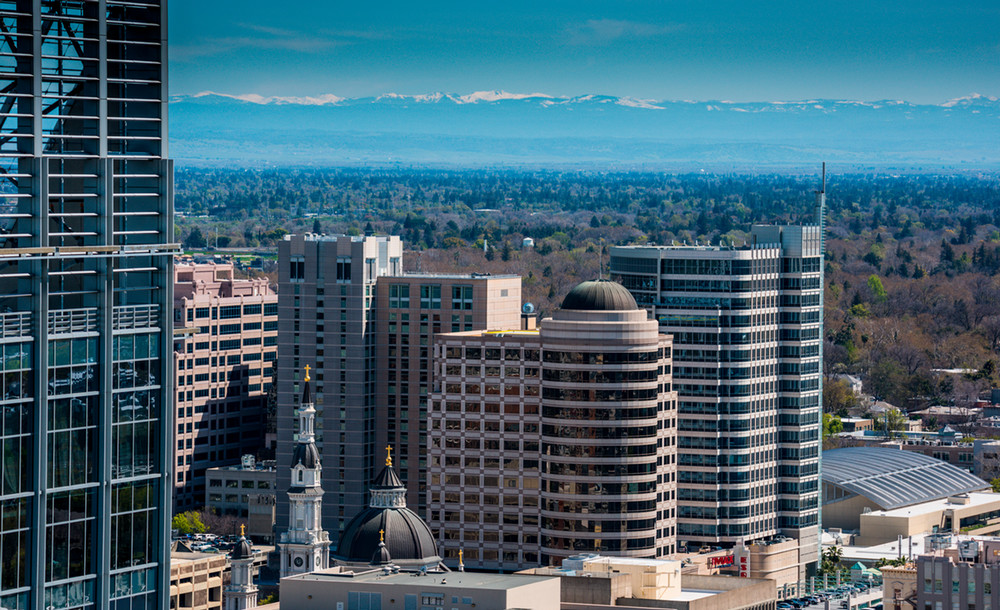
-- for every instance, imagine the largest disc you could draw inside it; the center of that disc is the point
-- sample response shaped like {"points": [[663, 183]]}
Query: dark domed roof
{"points": [[599, 295], [381, 556], [307, 454], [242, 549], [408, 540]]}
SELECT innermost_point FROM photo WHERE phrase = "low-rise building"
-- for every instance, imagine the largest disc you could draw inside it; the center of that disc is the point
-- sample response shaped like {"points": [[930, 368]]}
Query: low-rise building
{"points": [[856, 424], [246, 491], [196, 579], [899, 587], [590, 582], [356, 588], [883, 493]]}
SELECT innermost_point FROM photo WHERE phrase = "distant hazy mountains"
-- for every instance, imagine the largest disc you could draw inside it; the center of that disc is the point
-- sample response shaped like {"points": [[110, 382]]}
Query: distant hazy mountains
{"points": [[495, 128]]}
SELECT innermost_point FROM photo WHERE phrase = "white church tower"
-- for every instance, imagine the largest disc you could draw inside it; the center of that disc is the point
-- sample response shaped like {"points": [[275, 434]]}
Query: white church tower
{"points": [[305, 547], [241, 592]]}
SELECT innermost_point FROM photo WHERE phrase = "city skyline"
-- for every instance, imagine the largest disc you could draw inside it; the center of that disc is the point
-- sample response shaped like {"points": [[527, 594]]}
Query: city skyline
{"points": [[922, 52]]}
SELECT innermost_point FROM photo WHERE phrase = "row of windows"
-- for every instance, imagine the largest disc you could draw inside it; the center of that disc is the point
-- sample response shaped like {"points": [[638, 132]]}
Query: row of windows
{"points": [[492, 353], [599, 358], [229, 312]]}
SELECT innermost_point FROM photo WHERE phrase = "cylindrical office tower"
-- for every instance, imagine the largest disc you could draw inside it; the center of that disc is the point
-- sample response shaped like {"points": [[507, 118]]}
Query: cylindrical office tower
{"points": [[608, 428]]}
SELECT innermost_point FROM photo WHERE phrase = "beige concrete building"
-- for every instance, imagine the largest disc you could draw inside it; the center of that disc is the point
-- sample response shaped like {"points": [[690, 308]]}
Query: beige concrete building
{"points": [[224, 352], [411, 310], [546, 444], [899, 587], [485, 448], [975, 512], [349, 589], [774, 559], [593, 581], [196, 579], [246, 491]]}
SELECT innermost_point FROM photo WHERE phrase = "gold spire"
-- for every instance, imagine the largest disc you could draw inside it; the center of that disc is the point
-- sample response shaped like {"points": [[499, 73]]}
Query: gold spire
{"points": [[243, 529], [388, 455], [381, 535], [307, 372]]}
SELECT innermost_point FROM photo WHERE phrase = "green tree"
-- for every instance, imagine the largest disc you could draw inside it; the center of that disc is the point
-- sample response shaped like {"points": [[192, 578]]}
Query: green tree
{"points": [[995, 484], [837, 396], [878, 290], [831, 425], [188, 522], [830, 560], [891, 422], [195, 240]]}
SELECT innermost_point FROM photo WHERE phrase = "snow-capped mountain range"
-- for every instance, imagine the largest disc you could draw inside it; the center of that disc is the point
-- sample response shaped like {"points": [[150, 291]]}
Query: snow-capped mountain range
{"points": [[490, 127]]}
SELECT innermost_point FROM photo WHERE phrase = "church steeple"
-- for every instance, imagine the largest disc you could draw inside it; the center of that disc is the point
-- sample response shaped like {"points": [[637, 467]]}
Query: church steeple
{"points": [[305, 546], [241, 592]]}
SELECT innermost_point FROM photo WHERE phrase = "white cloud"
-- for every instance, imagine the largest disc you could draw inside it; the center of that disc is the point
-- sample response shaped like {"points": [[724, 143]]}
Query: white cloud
{"points": [[604, 31]]}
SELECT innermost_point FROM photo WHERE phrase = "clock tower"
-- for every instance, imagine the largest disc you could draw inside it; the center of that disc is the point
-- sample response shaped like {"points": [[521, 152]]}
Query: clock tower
{"points": [[305, 547]]}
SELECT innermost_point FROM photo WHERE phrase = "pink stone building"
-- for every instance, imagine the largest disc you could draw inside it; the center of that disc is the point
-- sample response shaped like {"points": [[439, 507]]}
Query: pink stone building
{"points": [[225, 347]]}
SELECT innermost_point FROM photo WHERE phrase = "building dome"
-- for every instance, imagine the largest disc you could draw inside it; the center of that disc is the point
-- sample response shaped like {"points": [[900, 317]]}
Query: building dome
{"points": [[387, 530], [242, 550], [599, 295]]}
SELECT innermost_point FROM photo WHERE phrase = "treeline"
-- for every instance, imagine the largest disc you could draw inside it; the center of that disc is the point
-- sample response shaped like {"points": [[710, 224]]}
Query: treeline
{"points": [[912, 269]]}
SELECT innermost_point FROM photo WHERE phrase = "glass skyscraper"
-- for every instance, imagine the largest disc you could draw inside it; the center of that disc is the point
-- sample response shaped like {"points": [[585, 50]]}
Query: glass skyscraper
{"points": [[85, 298]]}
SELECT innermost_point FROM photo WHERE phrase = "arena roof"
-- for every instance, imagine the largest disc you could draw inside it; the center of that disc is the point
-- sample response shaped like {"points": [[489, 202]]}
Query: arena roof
{"points": [[893, 478]]}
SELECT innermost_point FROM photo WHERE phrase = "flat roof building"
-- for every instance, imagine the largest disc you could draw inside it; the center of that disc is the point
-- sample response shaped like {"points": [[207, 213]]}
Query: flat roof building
{"points": [[224, 360], [350, 588], [246, 491], [747, 327]]}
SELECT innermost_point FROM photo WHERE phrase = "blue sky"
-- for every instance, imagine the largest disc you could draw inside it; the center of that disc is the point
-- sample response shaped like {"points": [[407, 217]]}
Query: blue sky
{"points": [[746, 50]]}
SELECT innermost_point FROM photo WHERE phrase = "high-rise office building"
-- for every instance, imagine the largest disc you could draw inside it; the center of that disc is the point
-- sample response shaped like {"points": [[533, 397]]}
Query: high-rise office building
{"points": [[347, 306], [747, 325], [550, 443], [326, 305], [225, 349], [85, 305]]}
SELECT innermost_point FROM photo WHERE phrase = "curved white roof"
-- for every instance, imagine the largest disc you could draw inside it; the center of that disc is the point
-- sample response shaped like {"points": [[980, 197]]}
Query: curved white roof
{"points": [[893, 478]]}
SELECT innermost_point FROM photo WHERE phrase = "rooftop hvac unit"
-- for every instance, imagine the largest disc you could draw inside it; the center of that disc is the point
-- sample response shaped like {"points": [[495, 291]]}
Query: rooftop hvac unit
{"points": [[968, 549]]}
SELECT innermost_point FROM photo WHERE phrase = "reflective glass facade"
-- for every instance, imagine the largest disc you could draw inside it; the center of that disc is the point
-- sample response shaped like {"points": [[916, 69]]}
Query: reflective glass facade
{"points": [[85, 226]]}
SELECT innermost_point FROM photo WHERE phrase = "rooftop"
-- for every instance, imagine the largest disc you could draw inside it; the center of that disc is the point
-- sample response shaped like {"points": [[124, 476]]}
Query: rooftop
{"points": [[976, 499], [438, 580], [458, 276], [893, 478]]}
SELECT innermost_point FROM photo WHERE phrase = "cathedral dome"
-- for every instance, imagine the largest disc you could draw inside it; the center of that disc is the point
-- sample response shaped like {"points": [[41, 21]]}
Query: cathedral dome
{"points": [[599, 295], [387, 530]]}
